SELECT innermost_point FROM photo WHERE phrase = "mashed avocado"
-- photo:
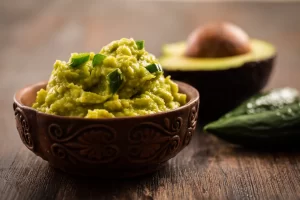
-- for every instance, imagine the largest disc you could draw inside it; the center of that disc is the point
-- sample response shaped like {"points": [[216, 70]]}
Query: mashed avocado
{"points": [[121, 80]]}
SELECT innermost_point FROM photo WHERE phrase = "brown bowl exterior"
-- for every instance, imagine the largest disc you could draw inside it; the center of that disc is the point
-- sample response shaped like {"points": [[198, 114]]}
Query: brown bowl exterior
{"points": [[223, 90], [111, 148]]}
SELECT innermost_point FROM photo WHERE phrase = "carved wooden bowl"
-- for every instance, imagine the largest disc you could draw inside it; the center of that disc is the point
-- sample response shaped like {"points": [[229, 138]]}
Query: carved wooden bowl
{"points": [[112, 147]]}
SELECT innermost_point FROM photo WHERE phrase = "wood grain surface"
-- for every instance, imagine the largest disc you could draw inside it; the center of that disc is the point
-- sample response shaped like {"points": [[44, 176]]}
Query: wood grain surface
{"points": [[34, 33]]}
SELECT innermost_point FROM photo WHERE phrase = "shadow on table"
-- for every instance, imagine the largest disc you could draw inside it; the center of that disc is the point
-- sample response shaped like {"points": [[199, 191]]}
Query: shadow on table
{"points": [[209, 146], [214, 143], [271, 149], [140, 187]]}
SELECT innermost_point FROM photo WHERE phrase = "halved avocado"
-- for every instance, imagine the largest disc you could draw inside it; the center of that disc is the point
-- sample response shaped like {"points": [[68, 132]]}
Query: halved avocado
{"points": [[222, 82]]}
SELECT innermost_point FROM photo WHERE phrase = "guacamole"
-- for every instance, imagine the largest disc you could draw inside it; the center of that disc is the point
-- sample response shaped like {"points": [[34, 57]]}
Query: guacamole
{"points": [[123, 79]]}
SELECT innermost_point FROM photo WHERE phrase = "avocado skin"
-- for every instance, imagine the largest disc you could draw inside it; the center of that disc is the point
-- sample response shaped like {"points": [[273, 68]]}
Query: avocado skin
{"points": [[223, 90]]}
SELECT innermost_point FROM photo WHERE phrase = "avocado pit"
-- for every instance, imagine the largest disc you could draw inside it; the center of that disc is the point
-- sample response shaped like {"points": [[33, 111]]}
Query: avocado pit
{"points": [[217, 40]]}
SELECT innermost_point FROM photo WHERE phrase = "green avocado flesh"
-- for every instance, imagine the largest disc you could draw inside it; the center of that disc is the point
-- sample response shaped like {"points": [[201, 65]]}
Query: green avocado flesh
{"points": [[273, 116], [123, 79], [173, 58]]}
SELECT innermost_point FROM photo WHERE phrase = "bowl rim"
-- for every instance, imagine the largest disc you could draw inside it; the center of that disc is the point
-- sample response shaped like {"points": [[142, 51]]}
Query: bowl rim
{"points": [[180, 84]]}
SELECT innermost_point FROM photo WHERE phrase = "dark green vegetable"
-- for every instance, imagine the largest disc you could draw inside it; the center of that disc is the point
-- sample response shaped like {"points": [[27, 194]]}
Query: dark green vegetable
{"points": [[79, 59], [154, 68], [272, 100], [265, 119], [115, 79], [140, 44], [98, 59]]}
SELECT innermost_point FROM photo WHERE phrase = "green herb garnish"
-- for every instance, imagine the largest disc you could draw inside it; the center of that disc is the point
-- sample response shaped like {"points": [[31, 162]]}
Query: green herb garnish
{"points": [[79, 59], [115, 80], [140, 44], [98, 59], [154, 68]]}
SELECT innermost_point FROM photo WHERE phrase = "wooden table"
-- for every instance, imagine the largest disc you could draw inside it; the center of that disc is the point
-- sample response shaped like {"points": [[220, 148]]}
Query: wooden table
{"points": [[34, 33]]}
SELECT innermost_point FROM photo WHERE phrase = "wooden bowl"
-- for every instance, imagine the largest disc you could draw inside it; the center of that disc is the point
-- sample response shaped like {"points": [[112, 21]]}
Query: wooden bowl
{"points": [[111, 147]]}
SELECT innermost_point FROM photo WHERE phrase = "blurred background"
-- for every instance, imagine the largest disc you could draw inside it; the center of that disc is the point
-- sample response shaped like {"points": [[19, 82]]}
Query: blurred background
{"points": [[34, 33]]}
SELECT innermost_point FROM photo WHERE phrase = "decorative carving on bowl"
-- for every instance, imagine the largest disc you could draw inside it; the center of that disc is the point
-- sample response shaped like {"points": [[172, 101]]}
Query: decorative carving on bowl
{"points": [[23, 127], [151, 141], [192, 122], [93, 144]]}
